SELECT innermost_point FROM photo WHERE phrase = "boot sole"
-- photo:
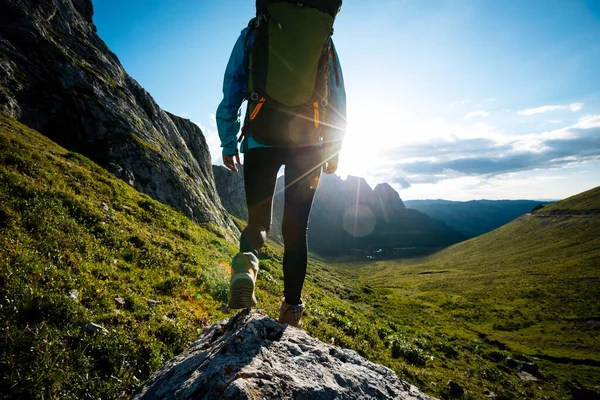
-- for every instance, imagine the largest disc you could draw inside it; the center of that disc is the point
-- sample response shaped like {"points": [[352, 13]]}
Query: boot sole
{"points": [[242, 292]]}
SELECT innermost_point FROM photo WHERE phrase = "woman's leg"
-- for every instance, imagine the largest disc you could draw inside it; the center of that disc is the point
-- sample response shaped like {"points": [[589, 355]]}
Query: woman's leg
{"points": [[302, 172], [260, 176]]}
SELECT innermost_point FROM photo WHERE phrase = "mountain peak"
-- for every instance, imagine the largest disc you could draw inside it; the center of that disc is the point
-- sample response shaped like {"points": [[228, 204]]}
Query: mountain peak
{"points": [[390, 203], [85, 8]]}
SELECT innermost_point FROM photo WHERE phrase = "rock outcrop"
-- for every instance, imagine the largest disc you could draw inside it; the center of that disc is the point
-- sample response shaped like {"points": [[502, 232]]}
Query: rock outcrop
{"points": [[230, 186], [60, 78], [389, 205], [251, 356]]}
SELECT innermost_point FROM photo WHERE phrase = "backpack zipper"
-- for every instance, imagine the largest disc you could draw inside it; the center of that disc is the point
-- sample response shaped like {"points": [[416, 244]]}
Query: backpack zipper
{"points": [[257, 108]]}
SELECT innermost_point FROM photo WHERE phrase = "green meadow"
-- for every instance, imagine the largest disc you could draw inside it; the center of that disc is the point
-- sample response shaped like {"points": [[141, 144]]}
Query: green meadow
{"points": [[78, 246]]}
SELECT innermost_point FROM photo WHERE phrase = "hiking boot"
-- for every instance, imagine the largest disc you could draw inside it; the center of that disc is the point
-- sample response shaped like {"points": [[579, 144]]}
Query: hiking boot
{"points": [[291, 314], [244, 269]]}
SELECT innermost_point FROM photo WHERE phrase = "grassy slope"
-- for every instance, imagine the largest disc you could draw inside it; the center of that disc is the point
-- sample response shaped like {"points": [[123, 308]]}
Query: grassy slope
{"points": [[55, 237], [67, 227], [530, 287]]}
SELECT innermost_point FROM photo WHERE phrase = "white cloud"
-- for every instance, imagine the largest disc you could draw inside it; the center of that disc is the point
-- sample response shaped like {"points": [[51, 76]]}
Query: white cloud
{"points": [[491, 99], [459, 103], [481, 150], [588, 122], [573, 107], [555, 121], [477, 113], [213, 120]]}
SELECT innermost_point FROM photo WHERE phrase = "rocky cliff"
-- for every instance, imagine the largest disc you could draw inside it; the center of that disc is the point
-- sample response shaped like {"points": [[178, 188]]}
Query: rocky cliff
{"points": [[230, 186], [250, 356], [60, 78]]}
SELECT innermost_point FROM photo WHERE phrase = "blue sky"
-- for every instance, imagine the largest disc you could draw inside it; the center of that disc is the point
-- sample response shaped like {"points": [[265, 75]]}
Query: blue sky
{"points": [[460, 100]]}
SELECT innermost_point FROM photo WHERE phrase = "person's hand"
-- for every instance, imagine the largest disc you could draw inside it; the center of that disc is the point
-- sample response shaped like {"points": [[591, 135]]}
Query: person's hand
{"points": [[331, 165], [231, 161]]}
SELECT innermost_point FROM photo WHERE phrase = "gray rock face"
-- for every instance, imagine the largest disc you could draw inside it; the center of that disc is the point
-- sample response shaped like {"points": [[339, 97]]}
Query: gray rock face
{"points": [[251, 356], [230, 186], [358, 191], [389, 204], [60, 78]]}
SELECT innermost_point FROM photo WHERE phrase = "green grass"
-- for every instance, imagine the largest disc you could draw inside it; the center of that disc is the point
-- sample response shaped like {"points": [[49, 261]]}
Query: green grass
{"points": [[73, 239], [529, 289], [588, 200], [69, 227]]}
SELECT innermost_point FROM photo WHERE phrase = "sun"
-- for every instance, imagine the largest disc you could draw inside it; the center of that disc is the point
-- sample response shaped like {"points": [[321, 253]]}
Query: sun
{"points": [[366, 140]]}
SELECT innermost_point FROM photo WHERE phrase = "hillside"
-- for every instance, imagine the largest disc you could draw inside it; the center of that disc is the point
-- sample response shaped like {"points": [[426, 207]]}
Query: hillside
{"points": [[474, 217], [530, 286], [58, 77], [78, 246], [114, 248], [100, 284]]}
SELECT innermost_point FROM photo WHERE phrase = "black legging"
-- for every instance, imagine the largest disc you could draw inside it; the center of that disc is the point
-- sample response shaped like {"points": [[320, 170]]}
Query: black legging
{"points": [[302, 172]]}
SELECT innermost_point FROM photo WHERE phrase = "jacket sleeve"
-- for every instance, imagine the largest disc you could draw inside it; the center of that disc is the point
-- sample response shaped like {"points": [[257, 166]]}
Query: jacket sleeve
{"points": [[332, 139], [228, 114]]}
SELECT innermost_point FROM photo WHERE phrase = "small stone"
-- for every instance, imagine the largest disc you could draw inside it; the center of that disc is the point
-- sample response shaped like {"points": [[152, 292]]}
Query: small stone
{"points": [[74, 294], [92, 327], [530, 368], [511, 362], [579, 392], [103, 206], [455, 388], [153, 303], [120, 301], [526, 376]]}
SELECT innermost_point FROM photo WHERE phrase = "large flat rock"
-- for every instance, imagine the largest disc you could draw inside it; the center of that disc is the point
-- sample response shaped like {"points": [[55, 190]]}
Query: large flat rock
{"points": [[251, 356]]}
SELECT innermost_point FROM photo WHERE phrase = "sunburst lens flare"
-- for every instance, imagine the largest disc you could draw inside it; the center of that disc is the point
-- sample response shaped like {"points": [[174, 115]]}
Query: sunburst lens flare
{"points": [[359, 221]]}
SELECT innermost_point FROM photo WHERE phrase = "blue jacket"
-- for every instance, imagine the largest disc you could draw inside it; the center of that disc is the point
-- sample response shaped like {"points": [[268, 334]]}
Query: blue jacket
{"points": [[234, 93]]}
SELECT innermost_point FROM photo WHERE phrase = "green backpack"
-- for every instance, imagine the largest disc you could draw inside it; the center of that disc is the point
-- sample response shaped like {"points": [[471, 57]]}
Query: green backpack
{"points": [[288, 71]]}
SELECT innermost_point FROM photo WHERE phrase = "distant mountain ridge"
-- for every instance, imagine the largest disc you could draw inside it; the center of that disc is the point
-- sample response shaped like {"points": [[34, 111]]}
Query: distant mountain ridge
{"points": [[474, 217], [349, 217]]}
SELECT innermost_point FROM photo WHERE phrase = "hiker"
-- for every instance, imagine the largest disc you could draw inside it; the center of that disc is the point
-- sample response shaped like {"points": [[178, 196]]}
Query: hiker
{"points": [[286, 66]]}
